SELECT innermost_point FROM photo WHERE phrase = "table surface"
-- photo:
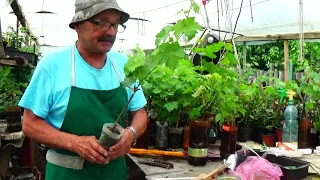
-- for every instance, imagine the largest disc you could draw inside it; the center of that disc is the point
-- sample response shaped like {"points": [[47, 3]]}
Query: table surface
{"points": [[184, 171], [180, 169]]}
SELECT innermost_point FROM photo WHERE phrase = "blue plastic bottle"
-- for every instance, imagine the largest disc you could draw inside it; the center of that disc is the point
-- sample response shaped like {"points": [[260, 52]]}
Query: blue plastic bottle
{"points": [[290, 126]]}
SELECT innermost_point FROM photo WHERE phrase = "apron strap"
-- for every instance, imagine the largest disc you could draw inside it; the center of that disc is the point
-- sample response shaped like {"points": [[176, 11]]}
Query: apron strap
{"points": [[116, 70], [73, 77]]}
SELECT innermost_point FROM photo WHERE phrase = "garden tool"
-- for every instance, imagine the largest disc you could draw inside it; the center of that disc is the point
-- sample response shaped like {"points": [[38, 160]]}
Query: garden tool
{"points": [[156, 152], [157, 163]]}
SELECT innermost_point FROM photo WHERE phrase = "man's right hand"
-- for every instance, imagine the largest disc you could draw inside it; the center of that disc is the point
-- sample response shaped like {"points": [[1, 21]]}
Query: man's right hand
{"points": [[88, 147]]}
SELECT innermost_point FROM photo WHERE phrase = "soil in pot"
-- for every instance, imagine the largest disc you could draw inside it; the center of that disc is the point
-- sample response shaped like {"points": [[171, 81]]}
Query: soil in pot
{"points": [[198, 142], [279, 134], [162, 135], [269, 139], [175, 137], [228, 140], [304, 134], [245, 134], [110, 136]]}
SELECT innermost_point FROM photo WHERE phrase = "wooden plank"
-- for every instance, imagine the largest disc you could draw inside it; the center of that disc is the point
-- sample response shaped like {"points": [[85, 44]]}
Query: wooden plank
{"points": [[21, 18], [275, 37], [14, 63], [244, 55], [1, 42], [286, 60]]}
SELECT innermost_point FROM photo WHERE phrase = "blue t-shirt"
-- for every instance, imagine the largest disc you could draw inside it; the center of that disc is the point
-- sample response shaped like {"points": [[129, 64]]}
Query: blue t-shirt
{"points": [[48, 92]]}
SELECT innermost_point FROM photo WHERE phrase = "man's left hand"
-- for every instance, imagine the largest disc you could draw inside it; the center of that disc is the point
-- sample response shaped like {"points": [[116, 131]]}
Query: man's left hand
{"points": [[123, 146]]}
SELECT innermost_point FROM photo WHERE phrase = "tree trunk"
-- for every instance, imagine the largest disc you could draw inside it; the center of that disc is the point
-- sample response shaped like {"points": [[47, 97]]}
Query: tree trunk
{"points": [[1, 43]]}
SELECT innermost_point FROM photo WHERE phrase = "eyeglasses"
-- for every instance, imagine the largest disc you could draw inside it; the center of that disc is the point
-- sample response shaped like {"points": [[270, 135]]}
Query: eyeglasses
{"points": [[105, 25]]}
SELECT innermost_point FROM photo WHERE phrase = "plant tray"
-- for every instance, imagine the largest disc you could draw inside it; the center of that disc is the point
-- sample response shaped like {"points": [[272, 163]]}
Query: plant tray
{"points": [[30, 57], [286, 164]]}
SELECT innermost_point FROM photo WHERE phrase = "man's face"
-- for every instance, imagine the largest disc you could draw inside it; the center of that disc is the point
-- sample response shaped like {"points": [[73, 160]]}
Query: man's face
{"points": [[95, 34]]}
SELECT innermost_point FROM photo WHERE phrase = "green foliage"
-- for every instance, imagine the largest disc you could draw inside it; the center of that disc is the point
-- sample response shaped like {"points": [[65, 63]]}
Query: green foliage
{"points": [[168, 50], [174, 87], [170, 90], [264, 55], [13, 82]]}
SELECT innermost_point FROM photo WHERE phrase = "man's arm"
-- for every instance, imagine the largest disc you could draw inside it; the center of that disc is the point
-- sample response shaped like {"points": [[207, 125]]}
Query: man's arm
{"points": [[39, 130], [139, 121], [86, 146]]}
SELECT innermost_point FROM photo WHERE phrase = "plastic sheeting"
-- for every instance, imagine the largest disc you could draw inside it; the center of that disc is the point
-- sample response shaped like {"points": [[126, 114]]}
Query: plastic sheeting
{"points": [[270, 17]]}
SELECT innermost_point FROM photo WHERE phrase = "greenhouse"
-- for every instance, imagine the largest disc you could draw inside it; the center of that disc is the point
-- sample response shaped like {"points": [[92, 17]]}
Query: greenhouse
{"points": [[171, 89]]}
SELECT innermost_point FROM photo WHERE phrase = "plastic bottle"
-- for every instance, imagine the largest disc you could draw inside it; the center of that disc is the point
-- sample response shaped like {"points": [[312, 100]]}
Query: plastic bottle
{"points": [[290, 126]]}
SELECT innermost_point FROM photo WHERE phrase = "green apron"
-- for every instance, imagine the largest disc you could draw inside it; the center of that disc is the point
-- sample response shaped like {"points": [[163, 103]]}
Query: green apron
{"points": [[86, 113]]}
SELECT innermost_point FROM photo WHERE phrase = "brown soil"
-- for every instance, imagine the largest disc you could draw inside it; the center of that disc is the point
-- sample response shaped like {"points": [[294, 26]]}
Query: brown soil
{"points": [[114, 130]]}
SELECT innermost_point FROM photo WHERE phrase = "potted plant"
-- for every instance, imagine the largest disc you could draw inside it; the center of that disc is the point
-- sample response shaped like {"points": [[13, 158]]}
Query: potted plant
{"points": [[251, 99], [12, 83], [303, 89], [168, 52]]}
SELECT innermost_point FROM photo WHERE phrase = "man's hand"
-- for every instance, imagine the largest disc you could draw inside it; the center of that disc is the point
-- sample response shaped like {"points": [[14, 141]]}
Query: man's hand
{"points": [[88, 147], [123, 146]]}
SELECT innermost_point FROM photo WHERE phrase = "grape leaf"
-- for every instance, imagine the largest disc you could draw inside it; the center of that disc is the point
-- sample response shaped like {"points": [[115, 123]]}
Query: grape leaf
{"points": [[195, 7], [163, 35], [169, 53], [187, 27], [171, 106], [133, 63], [231, 57], [229, 47]]}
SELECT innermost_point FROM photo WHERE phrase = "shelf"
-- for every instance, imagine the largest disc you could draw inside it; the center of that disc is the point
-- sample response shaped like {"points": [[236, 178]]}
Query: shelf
{"points": [[14, 63]]}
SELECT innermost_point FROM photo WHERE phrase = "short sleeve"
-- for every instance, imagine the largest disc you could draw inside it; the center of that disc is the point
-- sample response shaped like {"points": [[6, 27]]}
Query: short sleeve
{"points": [[138, 101], [38, 97]]}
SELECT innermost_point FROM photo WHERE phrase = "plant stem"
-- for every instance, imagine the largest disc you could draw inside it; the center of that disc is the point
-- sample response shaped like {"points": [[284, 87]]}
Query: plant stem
{"points": [[135, 89], [178, 120]]}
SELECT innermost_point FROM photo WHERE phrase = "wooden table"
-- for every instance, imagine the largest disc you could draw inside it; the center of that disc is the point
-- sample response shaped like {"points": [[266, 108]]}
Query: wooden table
{"points": [[180, 169]]}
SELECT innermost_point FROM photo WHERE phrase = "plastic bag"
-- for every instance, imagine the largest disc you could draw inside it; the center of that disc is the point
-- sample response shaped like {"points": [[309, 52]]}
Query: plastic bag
{"points": [[162, 135], [256, 168]]}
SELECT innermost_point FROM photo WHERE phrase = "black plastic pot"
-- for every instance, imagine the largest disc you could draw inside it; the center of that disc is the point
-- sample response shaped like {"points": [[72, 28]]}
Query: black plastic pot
{"points": [[245, 134], [314, 138], [5, 44], [152, 133], [175, 137], [13, 118], [162, 135], [257, 133]]}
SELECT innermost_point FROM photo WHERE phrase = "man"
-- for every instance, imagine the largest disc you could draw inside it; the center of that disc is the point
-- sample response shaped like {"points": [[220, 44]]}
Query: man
{"points": [[75, 91]]}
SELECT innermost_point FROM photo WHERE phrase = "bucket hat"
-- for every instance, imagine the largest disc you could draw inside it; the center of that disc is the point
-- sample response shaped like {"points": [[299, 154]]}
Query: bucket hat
{"points": [[85, 9]]}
